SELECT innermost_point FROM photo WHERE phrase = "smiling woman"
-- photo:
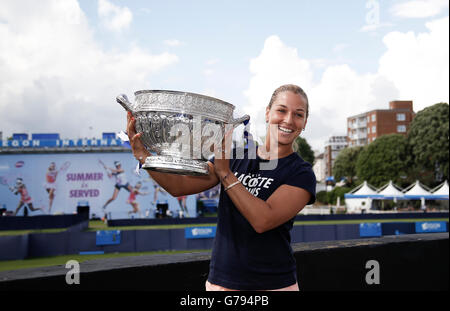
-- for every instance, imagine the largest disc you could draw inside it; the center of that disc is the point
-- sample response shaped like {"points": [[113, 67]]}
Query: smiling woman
{"points": [[257, 204]]}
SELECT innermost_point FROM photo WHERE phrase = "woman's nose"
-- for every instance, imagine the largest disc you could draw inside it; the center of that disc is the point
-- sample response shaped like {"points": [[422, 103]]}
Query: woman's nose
{"points": [[289, 118]]}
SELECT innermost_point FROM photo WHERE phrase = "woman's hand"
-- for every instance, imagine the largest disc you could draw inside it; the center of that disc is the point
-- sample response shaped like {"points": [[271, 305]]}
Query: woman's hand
{"points": [[138, 148], [222, 157]]}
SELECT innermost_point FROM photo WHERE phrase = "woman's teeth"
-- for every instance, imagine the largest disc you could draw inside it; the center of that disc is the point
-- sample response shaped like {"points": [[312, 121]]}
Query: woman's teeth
{"points": [[285, 129]]}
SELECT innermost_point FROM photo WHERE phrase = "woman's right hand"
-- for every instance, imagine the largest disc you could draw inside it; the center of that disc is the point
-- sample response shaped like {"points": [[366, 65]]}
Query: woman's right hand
{"points": [[138, 148]]}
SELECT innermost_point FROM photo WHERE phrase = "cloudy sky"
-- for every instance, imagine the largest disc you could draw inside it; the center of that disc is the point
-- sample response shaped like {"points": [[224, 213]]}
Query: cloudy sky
{"points": [[63, 62]]}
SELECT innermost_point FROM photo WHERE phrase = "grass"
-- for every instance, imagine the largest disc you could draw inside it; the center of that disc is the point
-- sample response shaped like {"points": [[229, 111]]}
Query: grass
{"points": [[61, 260], [23, 232], [95, 225], [360, 221]]}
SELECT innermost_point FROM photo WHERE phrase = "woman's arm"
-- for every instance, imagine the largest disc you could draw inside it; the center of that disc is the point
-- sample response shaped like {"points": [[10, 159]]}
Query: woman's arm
{"points": [[176, 185], [116, 171], [283, 204], [286, 202]]}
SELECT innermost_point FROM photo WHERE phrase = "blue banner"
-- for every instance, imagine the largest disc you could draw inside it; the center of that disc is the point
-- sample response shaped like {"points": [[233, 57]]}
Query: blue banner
{"points": [[108, 237], [370, 229], [42, 143], [431, 226], [200, 232]]}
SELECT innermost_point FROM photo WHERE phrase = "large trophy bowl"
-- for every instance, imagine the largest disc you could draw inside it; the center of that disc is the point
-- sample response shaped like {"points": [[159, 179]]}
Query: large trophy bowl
{"points": [[180, 129]]}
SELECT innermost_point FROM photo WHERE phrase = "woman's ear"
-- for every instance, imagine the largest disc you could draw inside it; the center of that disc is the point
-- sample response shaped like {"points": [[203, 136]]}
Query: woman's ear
{"points": [[267, 114]]}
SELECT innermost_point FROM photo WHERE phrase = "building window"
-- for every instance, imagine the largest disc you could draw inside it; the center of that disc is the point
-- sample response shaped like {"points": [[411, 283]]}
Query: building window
{"points": [[401, 128], [368, 119], [374, 117], [368, 130], [401, 117], [374, 129]]}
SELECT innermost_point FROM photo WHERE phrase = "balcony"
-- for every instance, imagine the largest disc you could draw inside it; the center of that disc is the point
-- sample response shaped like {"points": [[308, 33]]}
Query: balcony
{"points": [[358, 124]]}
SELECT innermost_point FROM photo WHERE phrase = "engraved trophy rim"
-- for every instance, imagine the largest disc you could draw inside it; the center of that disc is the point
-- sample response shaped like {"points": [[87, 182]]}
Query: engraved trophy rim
{"points": [[184, 93]]}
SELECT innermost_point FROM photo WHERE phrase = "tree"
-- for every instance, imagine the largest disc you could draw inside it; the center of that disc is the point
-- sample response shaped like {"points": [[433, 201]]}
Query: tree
{"points": [[304, 150], [345, 164], [384, 159], [321, 197], [428, 138], [337, 192]]}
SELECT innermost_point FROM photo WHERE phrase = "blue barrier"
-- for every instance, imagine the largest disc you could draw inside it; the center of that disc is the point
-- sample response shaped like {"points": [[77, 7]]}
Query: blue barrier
{"points": [[74, 242], [200, 232], [210, 220], [431, 226], [108, 237], [370, 229], [40, 221], [13, 247]]}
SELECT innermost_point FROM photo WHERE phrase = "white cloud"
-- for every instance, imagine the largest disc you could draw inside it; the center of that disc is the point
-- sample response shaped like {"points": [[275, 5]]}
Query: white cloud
{"points": [[419, 8], [276, 65], [331, 100], [418, 64], [414, 67], [113, 17], [56, 78]]}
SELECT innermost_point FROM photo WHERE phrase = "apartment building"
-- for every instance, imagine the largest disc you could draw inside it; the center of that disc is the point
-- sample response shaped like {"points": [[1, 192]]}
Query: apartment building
{"points": [[332, 148], [364, 128]]}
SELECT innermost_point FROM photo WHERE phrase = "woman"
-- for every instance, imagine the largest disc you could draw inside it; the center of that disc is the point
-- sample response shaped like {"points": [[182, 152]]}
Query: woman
{"points": [[183, 207], [25, 199], [50, 185], [257, 206], [121, 182], [132, 199]]}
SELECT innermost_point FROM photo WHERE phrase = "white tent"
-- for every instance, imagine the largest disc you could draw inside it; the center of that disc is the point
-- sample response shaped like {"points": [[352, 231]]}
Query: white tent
{"points": [[360, 198], [441, 191], [416, 191], [391, 192]]}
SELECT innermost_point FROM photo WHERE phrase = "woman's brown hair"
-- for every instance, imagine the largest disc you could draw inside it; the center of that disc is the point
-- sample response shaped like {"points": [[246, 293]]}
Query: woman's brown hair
{"points": [[291, 88]]}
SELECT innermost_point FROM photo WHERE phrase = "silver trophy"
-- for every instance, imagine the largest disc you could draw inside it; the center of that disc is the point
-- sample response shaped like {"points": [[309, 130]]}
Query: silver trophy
{"points": [[180, 129]]}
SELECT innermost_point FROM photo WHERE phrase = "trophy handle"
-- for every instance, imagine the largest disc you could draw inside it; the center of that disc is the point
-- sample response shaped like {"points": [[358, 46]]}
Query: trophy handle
{"points": [[122, 99], [238, 121]]}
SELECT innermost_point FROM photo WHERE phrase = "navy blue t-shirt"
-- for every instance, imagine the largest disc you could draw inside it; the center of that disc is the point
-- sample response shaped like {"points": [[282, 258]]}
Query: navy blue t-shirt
{"points": [[242, 258]]}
